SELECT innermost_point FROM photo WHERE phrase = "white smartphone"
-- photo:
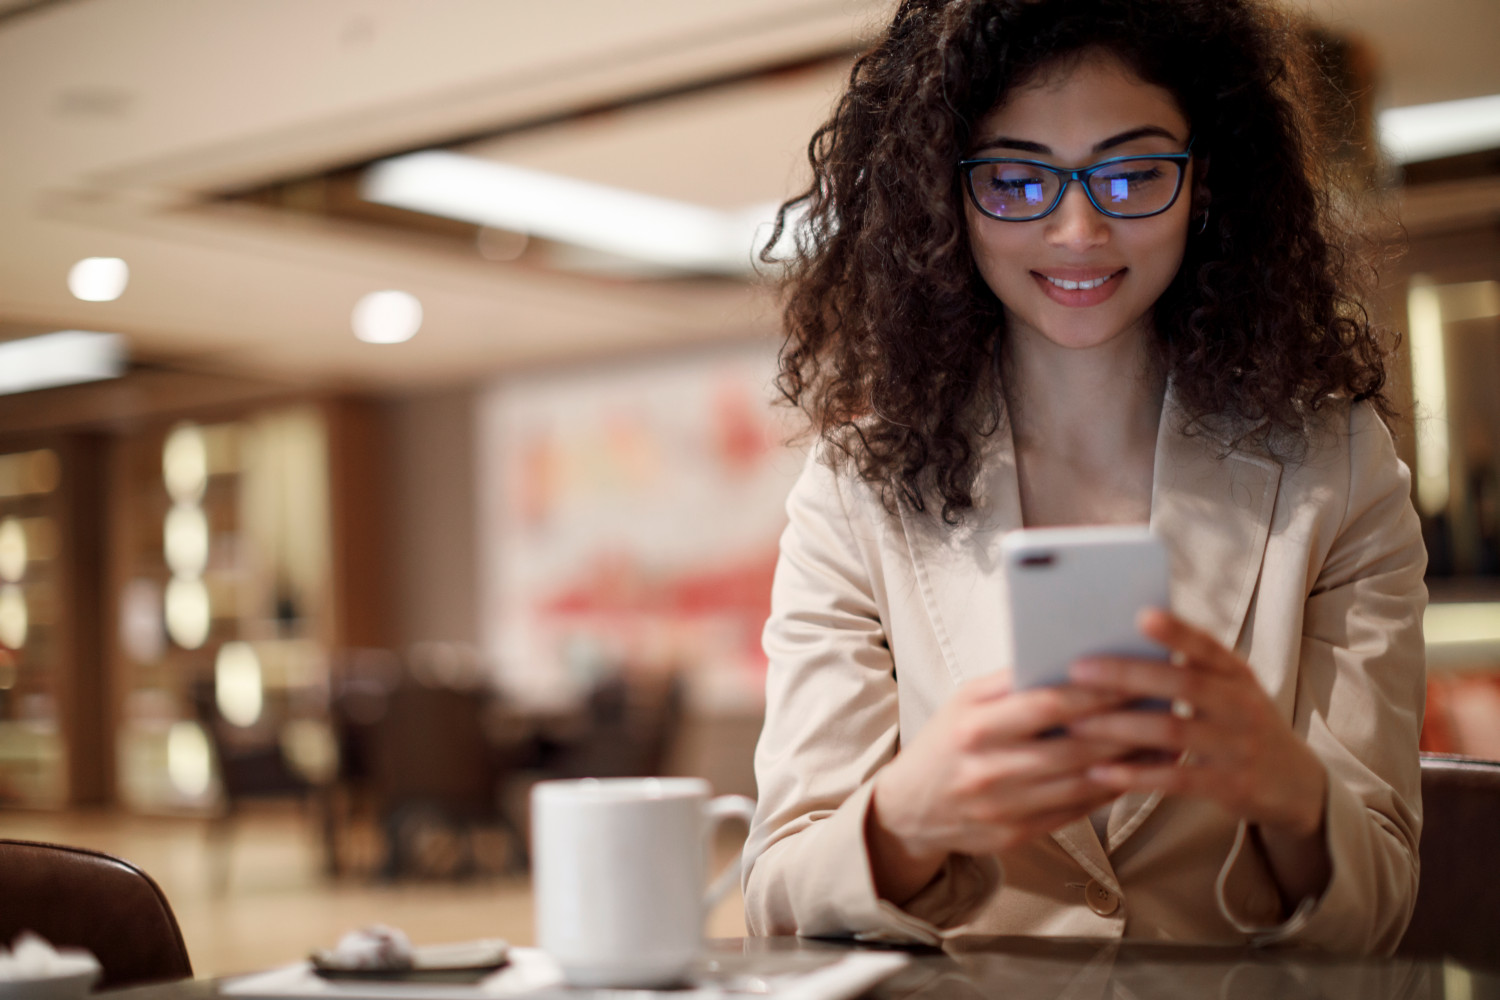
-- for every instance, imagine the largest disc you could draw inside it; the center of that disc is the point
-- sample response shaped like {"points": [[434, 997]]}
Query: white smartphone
{"points": [[1076, 592]]}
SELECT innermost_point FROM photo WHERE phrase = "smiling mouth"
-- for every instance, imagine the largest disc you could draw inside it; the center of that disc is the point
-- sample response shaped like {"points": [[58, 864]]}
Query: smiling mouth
{"points": [[1072, 286]]}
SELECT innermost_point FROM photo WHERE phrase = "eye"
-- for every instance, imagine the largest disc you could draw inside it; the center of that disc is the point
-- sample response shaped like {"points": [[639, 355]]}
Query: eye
{"points": [[1127, 182], [1015, 182]]}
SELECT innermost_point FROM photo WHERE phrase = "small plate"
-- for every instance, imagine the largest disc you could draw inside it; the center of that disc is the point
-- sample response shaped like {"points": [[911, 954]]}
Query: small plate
{"points": [[462, 962], [67, 986]]}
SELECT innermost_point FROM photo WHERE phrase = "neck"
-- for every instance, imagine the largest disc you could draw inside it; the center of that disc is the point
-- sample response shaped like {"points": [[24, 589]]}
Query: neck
{"points": [[1089, 405]]}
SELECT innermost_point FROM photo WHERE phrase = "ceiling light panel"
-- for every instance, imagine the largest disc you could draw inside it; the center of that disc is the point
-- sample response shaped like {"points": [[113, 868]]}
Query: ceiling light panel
{"points": [[1448, 128], [61, 358]]}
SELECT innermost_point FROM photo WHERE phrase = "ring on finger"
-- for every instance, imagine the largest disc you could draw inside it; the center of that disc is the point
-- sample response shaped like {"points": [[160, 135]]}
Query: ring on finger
{"points": [[1182, 709]]}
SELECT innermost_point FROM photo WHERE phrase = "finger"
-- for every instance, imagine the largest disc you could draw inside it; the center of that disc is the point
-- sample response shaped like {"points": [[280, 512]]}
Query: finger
{"points": [[989, 687], [1145, 729], [1196, 647], [1023, 803], [1045, 758], [1058, 707], [1028, 714], [1180, 778], [1138, 678]]}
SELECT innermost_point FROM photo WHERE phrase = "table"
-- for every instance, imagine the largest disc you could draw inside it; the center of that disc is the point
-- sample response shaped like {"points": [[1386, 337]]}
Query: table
{"points": [[1018, 968]]}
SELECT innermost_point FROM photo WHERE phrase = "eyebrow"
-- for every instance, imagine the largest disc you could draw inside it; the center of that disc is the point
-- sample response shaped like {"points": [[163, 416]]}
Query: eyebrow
{"points": [[1027, 146]]}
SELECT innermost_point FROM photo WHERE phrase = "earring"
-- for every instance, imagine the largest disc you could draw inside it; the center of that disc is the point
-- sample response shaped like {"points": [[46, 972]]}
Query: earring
{"points": [[1203, 223]]}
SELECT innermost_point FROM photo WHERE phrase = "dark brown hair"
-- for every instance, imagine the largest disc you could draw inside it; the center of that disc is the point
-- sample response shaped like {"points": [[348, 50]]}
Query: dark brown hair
{"points": [[893, 338]]}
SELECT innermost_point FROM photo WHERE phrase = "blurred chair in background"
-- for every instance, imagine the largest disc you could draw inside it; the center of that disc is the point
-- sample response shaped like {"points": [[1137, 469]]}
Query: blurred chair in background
{"points": [[77, 898], [361, 682], [1458, 910], [253, 765], [631, 723], [427, 752], [438, 777], [439, 764]]}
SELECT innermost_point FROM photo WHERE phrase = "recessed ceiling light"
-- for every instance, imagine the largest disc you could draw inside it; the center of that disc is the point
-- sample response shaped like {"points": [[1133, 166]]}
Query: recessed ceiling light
{"points": [[98, 279], [388, 317]]}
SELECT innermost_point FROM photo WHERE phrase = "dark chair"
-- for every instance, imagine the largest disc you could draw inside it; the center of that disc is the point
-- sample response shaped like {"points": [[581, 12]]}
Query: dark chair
{"points": [[77, 898], [438, 776], [633, 723], [1458, 909], [251, 765]]}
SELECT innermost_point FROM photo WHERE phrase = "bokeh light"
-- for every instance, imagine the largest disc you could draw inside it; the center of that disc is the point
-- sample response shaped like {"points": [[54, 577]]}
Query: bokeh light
{"points": [[13, 617], [237, 683], [98, 279], [185, 540], [188, 612], [184, 463], [388, 317], [13, 555], [189, 759]]}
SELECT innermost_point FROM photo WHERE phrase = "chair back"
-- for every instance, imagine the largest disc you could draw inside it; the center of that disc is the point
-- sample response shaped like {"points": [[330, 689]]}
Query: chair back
{"points": [[1458, 908], [77, 898]]}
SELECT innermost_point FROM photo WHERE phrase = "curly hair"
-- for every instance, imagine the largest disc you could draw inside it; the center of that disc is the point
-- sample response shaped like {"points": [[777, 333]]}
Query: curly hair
{"points": [[893, 339]]}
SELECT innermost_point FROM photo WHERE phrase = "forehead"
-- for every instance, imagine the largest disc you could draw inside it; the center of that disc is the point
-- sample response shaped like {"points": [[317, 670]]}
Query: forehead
{"points": [[1080, 101]]}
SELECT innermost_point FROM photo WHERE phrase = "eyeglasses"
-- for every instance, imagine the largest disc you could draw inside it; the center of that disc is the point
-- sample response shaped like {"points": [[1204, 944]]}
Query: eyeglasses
{"points": [[1123, 187]]}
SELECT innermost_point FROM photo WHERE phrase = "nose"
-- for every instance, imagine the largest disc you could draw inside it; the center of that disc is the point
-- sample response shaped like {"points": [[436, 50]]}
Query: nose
{"points": [[1076, 224]]}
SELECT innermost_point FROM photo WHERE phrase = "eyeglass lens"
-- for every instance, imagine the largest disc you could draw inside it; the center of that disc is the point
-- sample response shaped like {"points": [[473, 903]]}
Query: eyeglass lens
{"points": [[1019, 190]]}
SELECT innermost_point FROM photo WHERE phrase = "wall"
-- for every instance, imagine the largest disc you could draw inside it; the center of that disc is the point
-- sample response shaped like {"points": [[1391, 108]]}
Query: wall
{"points": [[433, 516]]}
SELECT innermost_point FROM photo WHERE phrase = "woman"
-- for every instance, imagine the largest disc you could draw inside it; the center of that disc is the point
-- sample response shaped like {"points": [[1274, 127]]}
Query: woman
{"points": [[1067, 262]]}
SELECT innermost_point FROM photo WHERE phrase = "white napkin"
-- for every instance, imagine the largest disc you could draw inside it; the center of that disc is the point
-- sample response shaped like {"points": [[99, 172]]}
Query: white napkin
{"points": [[34, 958]]}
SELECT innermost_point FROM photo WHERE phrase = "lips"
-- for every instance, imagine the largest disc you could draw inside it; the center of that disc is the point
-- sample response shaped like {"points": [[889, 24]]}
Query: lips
{"points": [[1077, 287]]}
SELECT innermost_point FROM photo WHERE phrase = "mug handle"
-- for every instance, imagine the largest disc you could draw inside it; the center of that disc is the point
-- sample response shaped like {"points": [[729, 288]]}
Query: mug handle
{"points": [[719, 809]]}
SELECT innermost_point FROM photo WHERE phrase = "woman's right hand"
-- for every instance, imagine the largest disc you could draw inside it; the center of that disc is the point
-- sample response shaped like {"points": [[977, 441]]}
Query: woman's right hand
{"points": [[981, 779]]}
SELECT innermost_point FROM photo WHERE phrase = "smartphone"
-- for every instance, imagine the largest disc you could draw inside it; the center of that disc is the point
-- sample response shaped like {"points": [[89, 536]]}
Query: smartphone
{"points": [[1076, 592]]}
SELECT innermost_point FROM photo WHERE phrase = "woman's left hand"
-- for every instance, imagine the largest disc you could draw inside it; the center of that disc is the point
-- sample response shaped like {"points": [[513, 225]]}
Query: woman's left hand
{"points": [[1241, 753]]}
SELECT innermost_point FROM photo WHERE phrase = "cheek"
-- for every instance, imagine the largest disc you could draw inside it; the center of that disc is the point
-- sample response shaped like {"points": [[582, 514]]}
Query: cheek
{"points": [[995, 248], [1163, 248]]}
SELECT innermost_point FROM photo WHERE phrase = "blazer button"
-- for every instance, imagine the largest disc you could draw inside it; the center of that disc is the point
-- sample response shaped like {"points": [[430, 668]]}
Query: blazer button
{"points": [[1100, 899]]}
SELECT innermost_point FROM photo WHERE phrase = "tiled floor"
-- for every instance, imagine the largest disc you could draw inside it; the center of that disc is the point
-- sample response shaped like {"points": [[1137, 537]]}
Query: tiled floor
{"points": [[277, 905]]}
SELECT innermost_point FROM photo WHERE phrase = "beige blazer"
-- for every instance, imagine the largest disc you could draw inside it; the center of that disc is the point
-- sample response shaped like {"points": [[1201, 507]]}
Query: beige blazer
{"points": [[1312, 571]]}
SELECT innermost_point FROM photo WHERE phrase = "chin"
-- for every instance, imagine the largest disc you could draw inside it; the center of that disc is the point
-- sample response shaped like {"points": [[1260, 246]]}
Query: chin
{"points": [[1082, 336]]}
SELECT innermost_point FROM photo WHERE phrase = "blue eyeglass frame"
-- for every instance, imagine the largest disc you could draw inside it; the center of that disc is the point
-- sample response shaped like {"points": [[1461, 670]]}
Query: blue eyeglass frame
{"points": [[1082, 176]]}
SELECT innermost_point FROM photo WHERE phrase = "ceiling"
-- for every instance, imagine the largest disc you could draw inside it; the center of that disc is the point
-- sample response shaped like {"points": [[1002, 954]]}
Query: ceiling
{"points": [[122, 118]]}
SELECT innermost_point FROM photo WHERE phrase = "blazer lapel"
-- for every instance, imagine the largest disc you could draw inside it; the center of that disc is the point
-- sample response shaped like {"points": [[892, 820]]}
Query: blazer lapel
{"points": [[1211, 505], [958, 568]]}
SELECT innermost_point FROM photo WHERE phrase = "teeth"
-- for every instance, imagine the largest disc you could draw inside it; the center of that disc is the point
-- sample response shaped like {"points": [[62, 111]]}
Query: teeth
{"points": [[1074, 285]]}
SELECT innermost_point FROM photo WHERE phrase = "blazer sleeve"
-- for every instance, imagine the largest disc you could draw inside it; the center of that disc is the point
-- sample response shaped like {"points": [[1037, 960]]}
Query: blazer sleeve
{"points": [[831, 724], [1360, 693]]}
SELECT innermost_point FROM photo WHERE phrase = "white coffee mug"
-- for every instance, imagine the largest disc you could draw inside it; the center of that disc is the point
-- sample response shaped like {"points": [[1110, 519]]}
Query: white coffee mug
{"points": [[618, 869]]}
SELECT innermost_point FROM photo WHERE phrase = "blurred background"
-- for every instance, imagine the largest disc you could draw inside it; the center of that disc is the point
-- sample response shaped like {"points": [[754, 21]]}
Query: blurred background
{"points": [[385, 417]]}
